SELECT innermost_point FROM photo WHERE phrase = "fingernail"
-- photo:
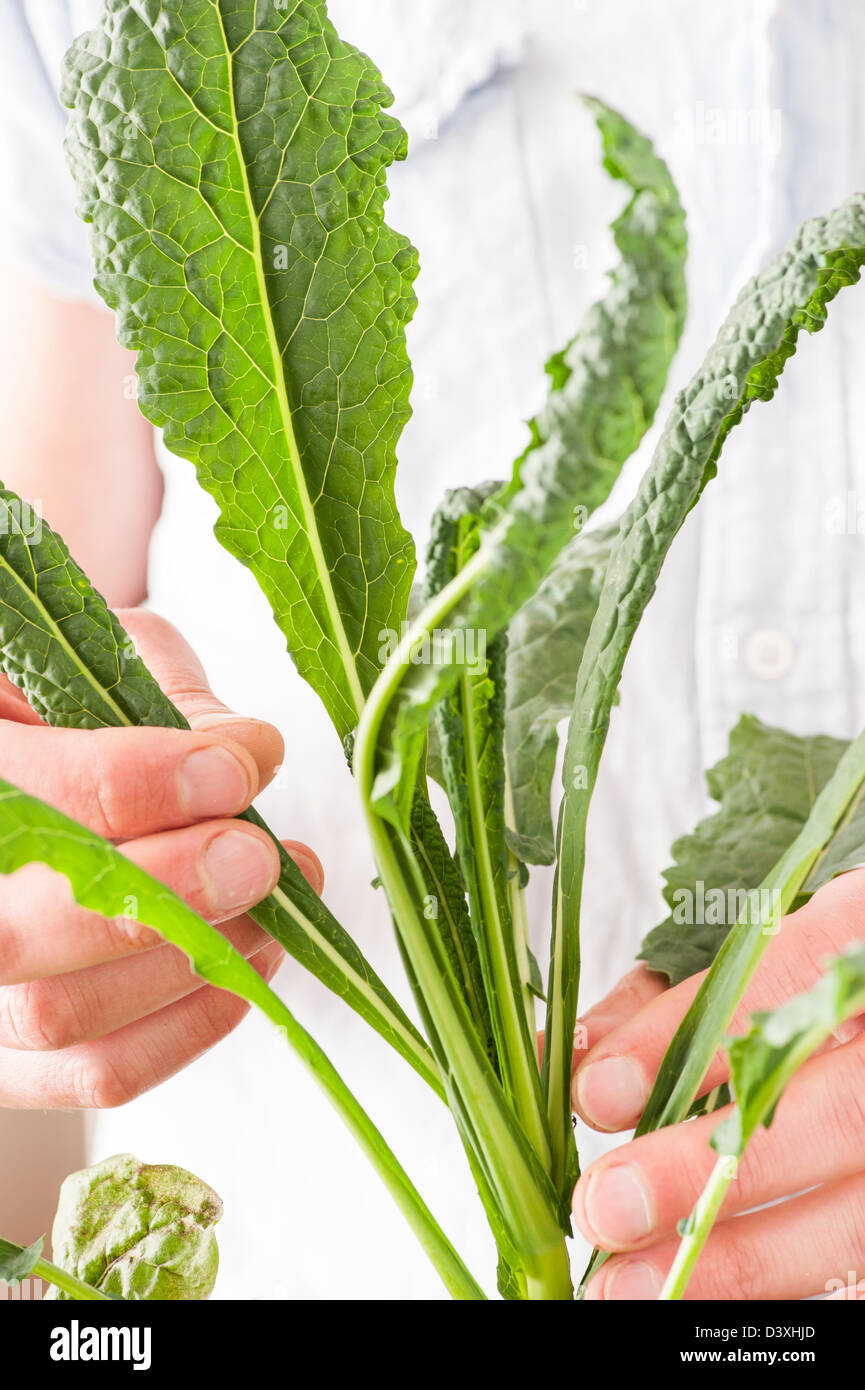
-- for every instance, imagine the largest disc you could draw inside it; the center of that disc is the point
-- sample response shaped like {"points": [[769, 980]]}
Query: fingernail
{"points": [[617, 1206], [611, 1093], [238, 871], [634, 1280], [213, 782]]}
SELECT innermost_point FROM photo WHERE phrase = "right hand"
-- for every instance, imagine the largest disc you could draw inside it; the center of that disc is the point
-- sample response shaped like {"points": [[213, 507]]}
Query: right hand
{"points": [[95, 1011]]}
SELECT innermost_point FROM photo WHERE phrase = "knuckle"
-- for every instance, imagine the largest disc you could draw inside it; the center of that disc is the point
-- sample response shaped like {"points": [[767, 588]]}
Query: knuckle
{"points": [[104, 787], [827, 937], [104, 799], [693, 1164], [10, 951], [786, 977], [100, 1085], [739, 1270], [209, 1017], [31, 1019], [843, 1098], [134, 935], [851, 1221], [628, 994], [757, 1171]]}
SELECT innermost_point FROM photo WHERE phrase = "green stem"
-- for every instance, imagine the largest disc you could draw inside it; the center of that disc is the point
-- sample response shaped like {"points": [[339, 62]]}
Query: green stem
{"points": [[453, 1273], [76, 1288], [518, 1182], [519, 917], [489, 1127], [698, 1036], [699, 1225], [561, 1017], [549, 1278], [516, 1046], [756, 1108], [387, 1021]]}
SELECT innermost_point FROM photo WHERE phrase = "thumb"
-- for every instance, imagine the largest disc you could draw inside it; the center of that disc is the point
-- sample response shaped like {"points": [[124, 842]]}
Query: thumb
{"points": [[179, 672]]}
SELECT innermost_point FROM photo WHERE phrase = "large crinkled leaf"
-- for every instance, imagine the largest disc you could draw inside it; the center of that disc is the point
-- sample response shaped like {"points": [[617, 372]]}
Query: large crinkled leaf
{"points": [[138, 1230], [104, 881], [627, 341], [605, 388], [545, 645], [231, 157], [766, 786], [62, 645], [743, 365]]}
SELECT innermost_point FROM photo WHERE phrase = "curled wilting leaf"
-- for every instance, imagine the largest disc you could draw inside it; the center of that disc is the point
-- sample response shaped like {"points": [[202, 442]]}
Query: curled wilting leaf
{"points": [[138, 1230]]}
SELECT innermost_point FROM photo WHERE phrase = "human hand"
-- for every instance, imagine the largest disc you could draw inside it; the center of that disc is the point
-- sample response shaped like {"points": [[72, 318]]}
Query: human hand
{"points": [[630, 1200], [92, 1011]]}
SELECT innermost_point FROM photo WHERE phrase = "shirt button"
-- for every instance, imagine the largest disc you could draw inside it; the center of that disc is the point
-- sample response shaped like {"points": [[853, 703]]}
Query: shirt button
{"points": [[768, 654]]}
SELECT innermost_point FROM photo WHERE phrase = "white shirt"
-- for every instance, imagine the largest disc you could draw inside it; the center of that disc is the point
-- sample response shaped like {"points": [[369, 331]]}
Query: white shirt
{"points": [[758, 609]]}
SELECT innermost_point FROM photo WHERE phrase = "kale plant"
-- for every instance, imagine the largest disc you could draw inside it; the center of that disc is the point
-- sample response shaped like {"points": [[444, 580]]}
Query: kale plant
{"points": [[230, 158]]}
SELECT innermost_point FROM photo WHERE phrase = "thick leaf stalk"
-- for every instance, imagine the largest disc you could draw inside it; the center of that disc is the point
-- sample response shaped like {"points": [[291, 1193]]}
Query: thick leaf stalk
{"points": [[104, 881], [470, 725], [498, 1147], [743, 366]]}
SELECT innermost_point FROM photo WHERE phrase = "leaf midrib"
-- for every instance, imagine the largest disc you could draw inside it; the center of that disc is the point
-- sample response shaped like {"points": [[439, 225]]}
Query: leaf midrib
{"points": [[361, 984], [33, 596], [278, 384]]}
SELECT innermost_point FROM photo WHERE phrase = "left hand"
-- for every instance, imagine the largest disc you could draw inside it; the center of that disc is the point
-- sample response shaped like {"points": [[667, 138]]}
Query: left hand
{"points": [[630, 1201]]}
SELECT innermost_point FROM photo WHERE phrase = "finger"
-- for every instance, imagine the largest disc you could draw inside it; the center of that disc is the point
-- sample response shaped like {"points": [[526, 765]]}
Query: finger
{"points": [[179, 672], [612, 1083], [123, 783], [114, 1070], [623, 1002], [64, 1010], [308, 862], [220, 868], [789, 1251], [637, 1194], [13, 704], [852, 1292]]}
